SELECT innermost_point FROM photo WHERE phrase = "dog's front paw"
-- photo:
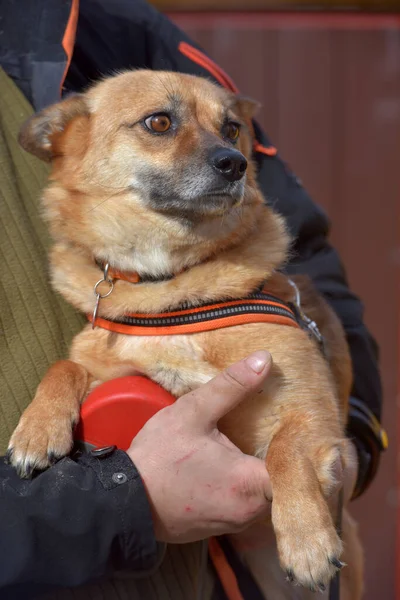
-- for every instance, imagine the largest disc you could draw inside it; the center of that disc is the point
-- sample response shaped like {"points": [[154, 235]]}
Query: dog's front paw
{"points": [[309, 547], [40, 440]]}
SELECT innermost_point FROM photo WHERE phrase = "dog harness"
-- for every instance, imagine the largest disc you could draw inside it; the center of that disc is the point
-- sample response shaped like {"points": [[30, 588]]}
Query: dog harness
{"points": [[259, 307]]}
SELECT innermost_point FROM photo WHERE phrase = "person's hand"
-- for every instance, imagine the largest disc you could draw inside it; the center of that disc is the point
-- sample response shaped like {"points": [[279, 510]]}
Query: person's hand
{"points": [[199, 484], [346, 478]]}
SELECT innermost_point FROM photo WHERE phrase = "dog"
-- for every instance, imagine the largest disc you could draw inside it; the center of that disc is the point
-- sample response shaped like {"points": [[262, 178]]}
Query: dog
{"points": [[153, 207]]}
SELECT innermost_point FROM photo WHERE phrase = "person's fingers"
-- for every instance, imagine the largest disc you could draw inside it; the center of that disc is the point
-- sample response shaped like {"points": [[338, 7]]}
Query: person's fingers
{"points": [[214, 399], [350, 473], [333, 498], [252, 488], [345, 476], [256, 480]]}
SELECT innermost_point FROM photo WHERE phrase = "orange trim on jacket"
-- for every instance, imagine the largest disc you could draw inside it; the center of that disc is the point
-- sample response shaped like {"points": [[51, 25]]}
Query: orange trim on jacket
{"points": [[68, 40]]}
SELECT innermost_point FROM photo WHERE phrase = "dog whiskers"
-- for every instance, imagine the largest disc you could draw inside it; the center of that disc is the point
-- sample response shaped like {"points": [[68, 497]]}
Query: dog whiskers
{"points": [[102, 202]]}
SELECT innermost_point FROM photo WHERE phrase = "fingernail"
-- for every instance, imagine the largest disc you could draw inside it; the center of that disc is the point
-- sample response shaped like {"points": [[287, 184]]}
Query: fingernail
{"points": [[258, 360]]}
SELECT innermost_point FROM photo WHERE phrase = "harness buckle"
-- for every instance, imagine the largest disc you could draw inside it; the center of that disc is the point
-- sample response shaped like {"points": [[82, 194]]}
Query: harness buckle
{"points": [[99, 295], [306, 323]]}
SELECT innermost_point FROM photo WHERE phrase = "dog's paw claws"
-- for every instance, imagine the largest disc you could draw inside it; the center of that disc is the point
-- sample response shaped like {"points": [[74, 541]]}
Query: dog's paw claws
{"points": [[289, 576], [337, 563], [52, 458], [313, 562], [8, 456], [26, 471], [23, 467], [36, 445]]}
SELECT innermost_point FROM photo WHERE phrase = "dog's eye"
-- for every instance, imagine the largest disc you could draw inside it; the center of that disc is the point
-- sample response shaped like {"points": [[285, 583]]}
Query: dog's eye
{"points": [[231, 131], [159, 123]]}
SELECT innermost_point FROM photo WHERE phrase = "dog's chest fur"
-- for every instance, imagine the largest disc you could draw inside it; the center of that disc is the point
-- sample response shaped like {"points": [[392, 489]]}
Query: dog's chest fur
{"points": [[181, 363], [175, 362]]}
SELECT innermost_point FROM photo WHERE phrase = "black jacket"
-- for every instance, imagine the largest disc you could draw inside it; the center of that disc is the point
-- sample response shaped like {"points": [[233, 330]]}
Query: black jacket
{"points": [[73, 523], [118, 34]]}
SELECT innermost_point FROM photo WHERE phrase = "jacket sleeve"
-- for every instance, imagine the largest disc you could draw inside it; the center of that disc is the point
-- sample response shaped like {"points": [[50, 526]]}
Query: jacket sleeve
{"points": [[73, 523]]}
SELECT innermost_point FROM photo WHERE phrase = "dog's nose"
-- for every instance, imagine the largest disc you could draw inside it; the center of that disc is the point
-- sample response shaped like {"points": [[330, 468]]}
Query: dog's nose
{"points": [[231, 164]]}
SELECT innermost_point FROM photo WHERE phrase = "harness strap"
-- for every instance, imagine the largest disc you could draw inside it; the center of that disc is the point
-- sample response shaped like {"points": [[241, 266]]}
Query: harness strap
{"points": [[225, 573], [259, 307]]}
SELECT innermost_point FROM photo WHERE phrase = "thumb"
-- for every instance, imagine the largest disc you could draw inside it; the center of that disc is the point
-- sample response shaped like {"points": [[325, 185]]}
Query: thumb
{"points": [[258, 480], [219, 396]]}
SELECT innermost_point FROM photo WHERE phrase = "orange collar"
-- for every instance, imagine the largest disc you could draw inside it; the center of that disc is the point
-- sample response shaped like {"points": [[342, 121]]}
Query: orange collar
{"points": [[129, 276], [259, 307]]}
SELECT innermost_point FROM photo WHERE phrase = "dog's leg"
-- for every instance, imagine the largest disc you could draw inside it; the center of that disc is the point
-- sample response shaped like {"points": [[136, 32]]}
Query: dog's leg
{"points": [[257, 548], [309, 547], [44, 432], [263, 564]]}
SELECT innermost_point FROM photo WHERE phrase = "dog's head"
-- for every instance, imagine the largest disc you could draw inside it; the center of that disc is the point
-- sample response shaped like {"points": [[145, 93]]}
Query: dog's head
{"points": [[180, 144]]}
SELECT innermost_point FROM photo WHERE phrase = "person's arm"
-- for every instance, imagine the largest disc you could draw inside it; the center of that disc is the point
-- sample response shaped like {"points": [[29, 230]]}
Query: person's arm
{"points": [[81, 518], [72, 523]]}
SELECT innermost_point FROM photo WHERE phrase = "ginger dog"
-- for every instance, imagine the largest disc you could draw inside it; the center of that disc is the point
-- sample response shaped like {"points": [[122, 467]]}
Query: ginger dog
{"points": [[152, 173]]}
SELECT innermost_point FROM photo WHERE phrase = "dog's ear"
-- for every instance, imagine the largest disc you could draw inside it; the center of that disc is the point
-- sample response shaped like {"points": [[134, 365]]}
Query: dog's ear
{"points": [[246, 107], [39, 134]]}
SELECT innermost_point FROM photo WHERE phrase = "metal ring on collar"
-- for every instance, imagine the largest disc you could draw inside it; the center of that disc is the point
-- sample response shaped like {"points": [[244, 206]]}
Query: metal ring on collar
{"points": [[110, 284]]}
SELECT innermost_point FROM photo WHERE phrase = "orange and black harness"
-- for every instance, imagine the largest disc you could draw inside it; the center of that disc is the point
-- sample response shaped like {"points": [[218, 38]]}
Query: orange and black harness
{"points": [[259, 307], [256, 308]]}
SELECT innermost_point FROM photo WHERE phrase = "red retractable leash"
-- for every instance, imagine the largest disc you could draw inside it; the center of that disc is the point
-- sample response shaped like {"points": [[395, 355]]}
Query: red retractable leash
{"points": [[114, 413]]}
